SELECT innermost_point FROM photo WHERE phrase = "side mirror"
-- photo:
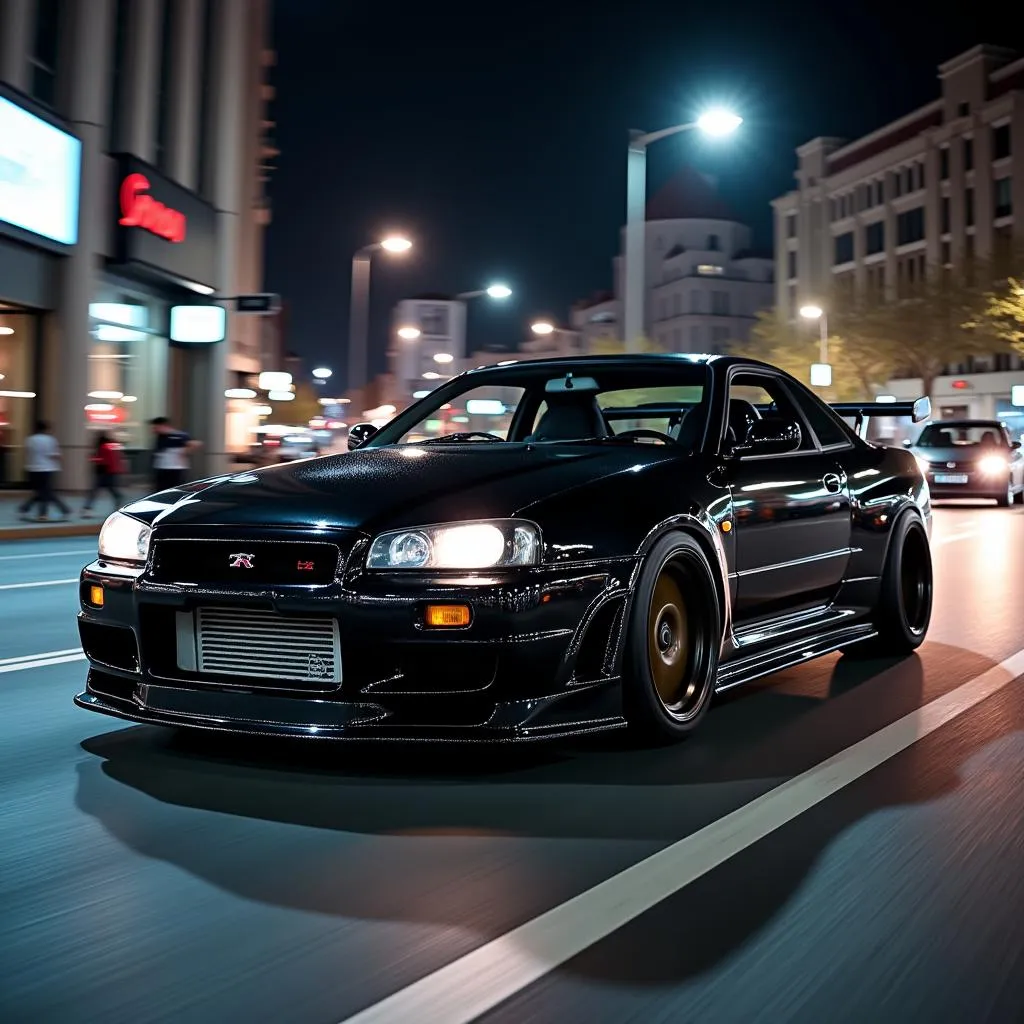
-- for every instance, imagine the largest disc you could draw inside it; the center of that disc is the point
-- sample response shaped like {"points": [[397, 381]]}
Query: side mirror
{"points": [[922, 410], [907, 442], [1015, 445], [770, 437], [359, 434]]}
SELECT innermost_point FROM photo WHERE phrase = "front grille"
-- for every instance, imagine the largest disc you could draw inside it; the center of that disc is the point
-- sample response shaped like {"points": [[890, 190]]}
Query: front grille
{"points": [[264, 645], [245, 563]]}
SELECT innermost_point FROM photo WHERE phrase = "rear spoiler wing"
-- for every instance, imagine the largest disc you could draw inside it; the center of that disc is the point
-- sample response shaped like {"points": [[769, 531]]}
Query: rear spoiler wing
{"points": [[918, 411]]}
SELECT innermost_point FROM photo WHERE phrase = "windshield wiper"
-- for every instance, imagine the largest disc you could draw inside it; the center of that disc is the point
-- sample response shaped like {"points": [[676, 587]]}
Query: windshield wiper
{"points": [[461, 435]]}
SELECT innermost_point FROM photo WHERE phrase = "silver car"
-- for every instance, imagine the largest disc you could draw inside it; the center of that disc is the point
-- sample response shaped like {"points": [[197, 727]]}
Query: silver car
{"points": [[971, 459]]}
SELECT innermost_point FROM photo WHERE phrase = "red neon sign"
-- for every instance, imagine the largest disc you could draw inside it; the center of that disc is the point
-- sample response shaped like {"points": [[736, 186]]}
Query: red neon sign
{"points": [[141, 210]]}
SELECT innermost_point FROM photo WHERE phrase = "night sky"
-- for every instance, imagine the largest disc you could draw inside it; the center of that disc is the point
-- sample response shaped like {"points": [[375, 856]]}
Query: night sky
{"points": [[496, 137]]}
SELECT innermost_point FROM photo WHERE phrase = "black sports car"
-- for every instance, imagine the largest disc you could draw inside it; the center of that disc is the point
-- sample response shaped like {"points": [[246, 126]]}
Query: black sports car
{"points": [[536, 548]]}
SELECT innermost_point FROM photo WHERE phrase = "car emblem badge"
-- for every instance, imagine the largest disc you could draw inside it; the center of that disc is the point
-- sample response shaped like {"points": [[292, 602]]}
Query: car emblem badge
{"points": [[302, 566], [950, 465], [317, 667], [240, 561]]}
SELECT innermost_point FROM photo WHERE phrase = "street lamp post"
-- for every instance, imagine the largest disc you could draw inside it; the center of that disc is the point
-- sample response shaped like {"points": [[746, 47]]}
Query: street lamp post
{"points": [[494, 291], [359, 312], [821, 372], [713, 122], [545, 328]]}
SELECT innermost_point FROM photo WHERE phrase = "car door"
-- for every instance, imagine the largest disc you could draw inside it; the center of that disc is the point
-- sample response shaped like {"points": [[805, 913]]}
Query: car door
{"points": [[791, 512]]}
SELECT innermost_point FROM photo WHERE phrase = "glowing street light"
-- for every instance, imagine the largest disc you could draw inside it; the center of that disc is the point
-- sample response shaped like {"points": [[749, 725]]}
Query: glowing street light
{"points": [[323, 373], [492, 291], [443, 357], [396, 243], [542, 327], [409, 333], [359, 314], [716, 122]]}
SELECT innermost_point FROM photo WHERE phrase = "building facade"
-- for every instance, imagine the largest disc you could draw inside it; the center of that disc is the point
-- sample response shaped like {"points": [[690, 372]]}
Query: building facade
{"points": [[704, 283], [156, 110], [418, 361], [933, 189]]}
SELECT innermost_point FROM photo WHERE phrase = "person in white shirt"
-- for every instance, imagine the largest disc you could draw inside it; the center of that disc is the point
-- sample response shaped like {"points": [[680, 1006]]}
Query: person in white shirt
{"points": [[42, 464]]}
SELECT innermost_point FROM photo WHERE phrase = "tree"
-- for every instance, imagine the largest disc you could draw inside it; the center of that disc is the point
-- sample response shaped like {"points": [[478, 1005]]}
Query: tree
{"points": [[1003, 314]]}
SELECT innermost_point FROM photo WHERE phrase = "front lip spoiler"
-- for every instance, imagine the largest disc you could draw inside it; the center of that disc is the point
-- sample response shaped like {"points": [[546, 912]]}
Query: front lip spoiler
{"points": [[354, 734]]}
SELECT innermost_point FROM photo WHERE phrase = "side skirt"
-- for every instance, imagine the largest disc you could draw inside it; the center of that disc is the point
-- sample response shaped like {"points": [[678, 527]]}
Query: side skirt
{"points": [[753, 666]]}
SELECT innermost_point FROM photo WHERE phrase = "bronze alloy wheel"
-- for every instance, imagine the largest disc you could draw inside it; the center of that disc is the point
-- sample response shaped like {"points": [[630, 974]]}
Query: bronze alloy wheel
{"points": [[672, 636]]}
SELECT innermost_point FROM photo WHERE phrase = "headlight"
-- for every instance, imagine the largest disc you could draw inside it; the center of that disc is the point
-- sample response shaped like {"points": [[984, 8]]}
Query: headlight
{"points": [[923, 463], [491, 545], [992, 465], [124, 539]]}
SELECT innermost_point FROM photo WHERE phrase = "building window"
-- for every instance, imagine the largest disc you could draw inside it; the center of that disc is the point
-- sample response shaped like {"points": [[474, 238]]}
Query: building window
{"points": [[963, 109], [710, 269], [677, 304], [897, 184], [874, 238], [43, 60], [791, 264], [969, 207], [696, 301], [1001, 142], [944, 211], [1004, 197], [879, 192], [791, 226], [968, 154], [719, 338], [946, 256], [713, 243], [843, 248], [910, 226], [908, 179], [720, 303], [944, 163]]}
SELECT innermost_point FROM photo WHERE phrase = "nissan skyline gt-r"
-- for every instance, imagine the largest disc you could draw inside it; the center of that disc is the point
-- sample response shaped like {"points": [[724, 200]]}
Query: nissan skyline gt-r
{"points": [[971, 459], [537, 548]]}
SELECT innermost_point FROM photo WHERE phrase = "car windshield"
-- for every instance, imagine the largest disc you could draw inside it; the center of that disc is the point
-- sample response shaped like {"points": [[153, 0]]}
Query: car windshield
{"points": [[962, 435], [585, 403]]}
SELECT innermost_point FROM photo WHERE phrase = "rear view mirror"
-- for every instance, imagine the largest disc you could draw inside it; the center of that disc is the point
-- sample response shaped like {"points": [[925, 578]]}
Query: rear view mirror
{"points": [[770, 437], [359, 434]]}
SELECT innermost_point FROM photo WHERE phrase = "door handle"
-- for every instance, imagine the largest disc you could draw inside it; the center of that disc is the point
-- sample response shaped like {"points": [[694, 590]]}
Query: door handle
{"points": [[832, 483]]}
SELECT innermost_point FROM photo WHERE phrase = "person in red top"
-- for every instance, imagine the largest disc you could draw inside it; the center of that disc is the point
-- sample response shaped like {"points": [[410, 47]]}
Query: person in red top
{"points": [[108, 465]]}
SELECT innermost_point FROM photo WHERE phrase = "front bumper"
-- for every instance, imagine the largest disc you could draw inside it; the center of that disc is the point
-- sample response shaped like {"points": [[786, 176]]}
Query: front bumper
{"points": [[539, 659], [978, 485]]}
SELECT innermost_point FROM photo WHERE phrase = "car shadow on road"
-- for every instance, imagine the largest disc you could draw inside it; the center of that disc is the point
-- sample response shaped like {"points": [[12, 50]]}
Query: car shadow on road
{"points": [[442, 823]]}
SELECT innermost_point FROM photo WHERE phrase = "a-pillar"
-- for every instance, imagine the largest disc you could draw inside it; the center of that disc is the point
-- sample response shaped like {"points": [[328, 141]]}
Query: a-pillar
{"points": [[68, 341]]}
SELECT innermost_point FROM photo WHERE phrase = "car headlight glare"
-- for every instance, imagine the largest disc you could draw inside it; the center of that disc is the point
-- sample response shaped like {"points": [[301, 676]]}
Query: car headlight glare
{"points": [[489, 545], [923, 463], [992, 465], [124, 539]]}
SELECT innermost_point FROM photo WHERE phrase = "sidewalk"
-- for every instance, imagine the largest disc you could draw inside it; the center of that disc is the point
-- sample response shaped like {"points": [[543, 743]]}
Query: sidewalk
{"points": [[13, 528]]}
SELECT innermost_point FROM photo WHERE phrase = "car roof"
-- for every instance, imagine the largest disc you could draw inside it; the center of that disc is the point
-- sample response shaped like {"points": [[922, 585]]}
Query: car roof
{"points": [[560, 364], [966, 423]]}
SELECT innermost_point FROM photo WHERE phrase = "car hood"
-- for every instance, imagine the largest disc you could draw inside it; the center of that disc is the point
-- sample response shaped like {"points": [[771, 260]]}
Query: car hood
{"points": [[394, 487]]}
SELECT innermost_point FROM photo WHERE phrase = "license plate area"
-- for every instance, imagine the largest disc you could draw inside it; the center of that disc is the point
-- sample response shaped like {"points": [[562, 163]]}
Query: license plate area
{"points": [[951, 478]]}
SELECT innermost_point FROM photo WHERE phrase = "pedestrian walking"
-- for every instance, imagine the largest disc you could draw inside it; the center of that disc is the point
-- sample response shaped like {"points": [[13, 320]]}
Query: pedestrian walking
{"points": [[42, 464], [108, 466], [170, 454]]}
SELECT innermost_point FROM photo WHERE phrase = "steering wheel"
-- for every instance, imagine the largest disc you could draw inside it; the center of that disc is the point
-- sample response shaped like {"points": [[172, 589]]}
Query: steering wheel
{"points": [[655, 435]]}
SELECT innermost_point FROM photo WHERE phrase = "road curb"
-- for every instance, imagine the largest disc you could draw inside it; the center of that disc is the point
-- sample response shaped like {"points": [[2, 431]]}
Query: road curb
{"points": [[43, 532]]}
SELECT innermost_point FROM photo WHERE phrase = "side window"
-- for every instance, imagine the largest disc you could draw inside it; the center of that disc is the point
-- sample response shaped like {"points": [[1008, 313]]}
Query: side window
{"points": [[755, 397], [823, 421]]}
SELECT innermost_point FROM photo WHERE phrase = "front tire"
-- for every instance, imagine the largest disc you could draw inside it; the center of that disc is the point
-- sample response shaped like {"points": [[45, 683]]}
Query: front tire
{"points": [[1006, 500], [672, 647], [904, 609]]}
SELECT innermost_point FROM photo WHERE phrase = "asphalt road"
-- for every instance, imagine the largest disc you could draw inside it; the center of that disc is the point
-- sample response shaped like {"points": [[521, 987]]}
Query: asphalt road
{"points": [[148, 878]]}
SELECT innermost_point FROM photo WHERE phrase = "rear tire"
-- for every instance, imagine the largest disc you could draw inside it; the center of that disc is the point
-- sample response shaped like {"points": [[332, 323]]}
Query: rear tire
{"points": [[904, 608], [672, 647]]}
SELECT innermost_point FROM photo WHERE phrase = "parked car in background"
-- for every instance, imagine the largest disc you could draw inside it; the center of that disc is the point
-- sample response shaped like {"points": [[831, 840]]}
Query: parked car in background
{"points": [[971, 459], [278, 445]]}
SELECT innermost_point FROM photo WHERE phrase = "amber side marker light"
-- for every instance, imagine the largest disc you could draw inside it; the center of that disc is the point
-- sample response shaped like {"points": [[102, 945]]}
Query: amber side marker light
{"points": [[447, 615], [96, 596]]}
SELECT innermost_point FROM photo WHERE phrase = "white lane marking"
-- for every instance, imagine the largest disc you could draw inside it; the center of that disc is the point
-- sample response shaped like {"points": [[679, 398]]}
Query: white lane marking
{"points": [[49, 554], [42, 660], [40, 583], [37, 657], [477, 982]]}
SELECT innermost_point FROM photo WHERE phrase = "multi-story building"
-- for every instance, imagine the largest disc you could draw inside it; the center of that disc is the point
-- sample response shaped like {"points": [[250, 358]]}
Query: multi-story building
{"points": [[704, 283], [133, 158], [428, 341], [933, 189]]}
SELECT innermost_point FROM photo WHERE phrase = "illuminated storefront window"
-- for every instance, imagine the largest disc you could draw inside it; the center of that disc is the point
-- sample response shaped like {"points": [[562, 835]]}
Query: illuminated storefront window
{"points": [[18, 339]]}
